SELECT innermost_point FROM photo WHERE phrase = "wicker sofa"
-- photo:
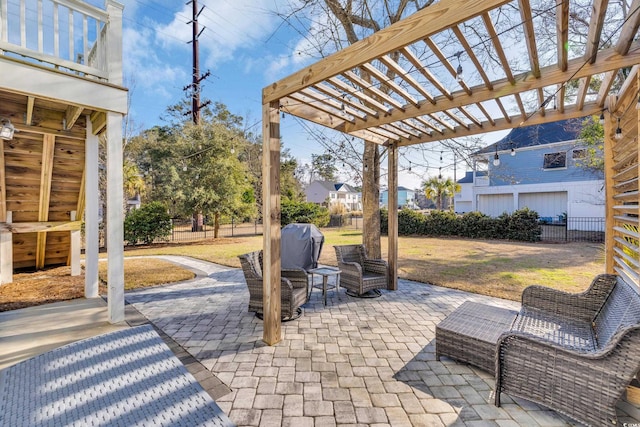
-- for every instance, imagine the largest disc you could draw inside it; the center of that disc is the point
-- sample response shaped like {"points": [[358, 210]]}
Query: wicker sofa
{"points": [[294, 286], [574, 353]]}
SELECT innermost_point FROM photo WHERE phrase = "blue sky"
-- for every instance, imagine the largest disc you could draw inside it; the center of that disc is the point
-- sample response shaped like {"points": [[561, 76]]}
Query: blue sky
{"points": [[246, 46]]}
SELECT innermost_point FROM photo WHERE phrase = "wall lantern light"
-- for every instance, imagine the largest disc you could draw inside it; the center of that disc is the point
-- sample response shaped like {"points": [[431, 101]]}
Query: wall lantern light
{"points": [[7, 130]]}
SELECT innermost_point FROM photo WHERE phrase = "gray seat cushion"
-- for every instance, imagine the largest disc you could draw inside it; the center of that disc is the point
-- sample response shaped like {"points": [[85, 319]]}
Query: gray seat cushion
{"points": [[568, 333]]}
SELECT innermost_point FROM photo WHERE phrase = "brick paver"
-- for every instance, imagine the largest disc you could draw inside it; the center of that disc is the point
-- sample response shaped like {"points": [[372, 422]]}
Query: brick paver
{"points": [[353, 362]]}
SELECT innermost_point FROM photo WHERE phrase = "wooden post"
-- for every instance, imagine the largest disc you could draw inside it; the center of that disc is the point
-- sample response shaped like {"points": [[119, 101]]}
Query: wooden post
{"points": [[75, 248], [92, 201], [392, 159], [114, 42], [115, 218], [6, 253], [609, 172], [271, 222]]}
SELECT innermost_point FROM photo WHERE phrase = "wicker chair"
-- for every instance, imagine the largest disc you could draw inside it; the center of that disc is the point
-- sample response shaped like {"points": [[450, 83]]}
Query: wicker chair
{"points": [[359, 273], [294, 287], [574, 353]]}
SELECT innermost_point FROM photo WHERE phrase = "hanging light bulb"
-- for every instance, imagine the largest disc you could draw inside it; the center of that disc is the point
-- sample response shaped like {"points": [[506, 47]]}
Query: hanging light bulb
{"points": [[496, 158], [233, 150], [409, 166], [513, 150], [440, 172], [459, 75], [366, 167], [618, 131], [602, 118]]}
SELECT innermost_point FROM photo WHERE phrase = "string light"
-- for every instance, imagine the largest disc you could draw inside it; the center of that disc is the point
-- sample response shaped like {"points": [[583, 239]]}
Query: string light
{"points": [[513, 150], [496, 158], [618, 131], [602, 118], [459, 75]]}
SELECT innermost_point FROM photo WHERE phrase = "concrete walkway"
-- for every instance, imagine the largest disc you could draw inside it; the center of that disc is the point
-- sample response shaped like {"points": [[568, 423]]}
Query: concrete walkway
{"points": [[353, 362]]}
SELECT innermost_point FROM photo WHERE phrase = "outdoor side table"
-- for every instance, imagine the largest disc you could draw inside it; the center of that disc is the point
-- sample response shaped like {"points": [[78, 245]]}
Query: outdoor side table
{"points": [[471, 332], [325, 272]]}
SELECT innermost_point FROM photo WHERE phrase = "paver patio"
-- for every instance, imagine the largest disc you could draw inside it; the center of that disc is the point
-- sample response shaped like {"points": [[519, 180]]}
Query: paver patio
{"points": [[353, 362]]}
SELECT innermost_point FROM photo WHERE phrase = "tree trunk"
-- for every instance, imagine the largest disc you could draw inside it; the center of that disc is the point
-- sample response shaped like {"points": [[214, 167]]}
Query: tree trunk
{"points": [[371, 200]]}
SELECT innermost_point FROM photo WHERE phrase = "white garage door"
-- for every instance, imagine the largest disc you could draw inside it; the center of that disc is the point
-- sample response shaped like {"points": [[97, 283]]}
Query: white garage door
{"points": [[495, 204], [550, 204]]}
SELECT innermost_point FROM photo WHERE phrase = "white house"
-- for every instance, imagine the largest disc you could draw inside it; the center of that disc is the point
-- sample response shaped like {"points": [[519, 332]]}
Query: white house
{"points": [[333, 193], [538, 167]]}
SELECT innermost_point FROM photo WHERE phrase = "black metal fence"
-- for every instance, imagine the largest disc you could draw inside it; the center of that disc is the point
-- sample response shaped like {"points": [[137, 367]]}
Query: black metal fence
{"points": [[574, 229], [187, 231]]}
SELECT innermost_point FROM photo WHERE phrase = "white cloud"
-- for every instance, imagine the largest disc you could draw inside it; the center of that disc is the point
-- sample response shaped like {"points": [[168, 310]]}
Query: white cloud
{"points": [[151, 73], [230, 25]]}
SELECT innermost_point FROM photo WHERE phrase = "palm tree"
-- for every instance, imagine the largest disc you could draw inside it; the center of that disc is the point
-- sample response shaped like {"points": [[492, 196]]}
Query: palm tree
{"points": [[438, 188], [133, 180]]}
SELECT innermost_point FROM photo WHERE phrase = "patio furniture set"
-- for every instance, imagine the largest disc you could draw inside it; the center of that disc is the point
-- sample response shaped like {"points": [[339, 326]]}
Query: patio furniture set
{"points": [[359, 275], [574, 353]]}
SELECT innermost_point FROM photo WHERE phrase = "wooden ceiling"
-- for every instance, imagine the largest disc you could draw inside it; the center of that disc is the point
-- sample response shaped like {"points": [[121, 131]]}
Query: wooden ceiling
{"points": [[41, 177], [400, 84]]}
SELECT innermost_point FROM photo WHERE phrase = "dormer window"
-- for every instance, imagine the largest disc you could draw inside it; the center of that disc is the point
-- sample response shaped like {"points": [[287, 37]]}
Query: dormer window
{"points": [[555, 160]]}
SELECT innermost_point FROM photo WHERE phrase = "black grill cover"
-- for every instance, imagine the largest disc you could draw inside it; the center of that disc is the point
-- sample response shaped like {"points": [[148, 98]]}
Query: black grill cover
{"points": [[301, 245]]}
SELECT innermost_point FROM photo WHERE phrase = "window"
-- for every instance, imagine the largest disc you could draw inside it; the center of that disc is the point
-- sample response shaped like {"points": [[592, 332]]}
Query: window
{"points": [[579, 153], [555, 160], [333, 195]]}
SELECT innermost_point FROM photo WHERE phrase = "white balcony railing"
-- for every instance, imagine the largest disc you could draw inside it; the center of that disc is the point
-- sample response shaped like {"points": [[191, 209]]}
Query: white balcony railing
{"points": [[68, 35]]}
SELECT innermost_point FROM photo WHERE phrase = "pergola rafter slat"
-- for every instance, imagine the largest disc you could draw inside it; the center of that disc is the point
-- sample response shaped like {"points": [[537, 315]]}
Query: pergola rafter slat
{"points": [[447, 64], [385, 81], [530, 37], [407, 77], [629, 29], [326, 89], [415, 61], [469, 51], [491, 30], [562, 30], [595, 30]]}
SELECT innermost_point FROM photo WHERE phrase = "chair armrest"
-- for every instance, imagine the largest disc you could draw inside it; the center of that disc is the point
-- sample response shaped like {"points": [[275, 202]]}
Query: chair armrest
{"points": [[376, 266], [352, 268], [582, 306], [297, 276]]}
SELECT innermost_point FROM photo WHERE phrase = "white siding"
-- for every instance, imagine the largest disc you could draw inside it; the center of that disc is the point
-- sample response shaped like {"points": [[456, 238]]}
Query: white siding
{"points": [[495, 204], [550, 204]]}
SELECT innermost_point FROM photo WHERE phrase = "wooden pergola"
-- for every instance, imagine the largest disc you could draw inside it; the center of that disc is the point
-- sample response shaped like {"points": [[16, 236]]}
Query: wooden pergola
{"points": [[401, 86]]}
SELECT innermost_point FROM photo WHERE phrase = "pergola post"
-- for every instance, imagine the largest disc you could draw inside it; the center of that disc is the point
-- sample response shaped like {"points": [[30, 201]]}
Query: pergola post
{"points": [[272, 333], [609, 172], [392, 159], [115, 229], [92, 195]]}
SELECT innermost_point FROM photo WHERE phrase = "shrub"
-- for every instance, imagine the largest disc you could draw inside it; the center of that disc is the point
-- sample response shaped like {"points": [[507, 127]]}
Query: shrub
{"points": [[146, 224], [384, 220], [522, 225], [410, 222], [303, 212]]}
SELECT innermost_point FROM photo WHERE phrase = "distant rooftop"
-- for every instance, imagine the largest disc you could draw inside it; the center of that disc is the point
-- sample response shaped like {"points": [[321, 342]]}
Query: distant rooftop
{"points": [[468, 177], [530, 136]]}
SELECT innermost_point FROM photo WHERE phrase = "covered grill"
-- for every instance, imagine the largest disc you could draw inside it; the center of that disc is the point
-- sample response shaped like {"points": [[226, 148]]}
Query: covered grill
{"points": [[301, 245]]}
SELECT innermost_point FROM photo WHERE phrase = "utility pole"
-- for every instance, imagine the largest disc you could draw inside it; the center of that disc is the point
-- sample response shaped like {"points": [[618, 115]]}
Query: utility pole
{"points": [[196, 106]]}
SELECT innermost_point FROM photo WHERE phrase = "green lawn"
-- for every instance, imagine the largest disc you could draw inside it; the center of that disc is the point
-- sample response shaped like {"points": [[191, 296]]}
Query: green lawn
{"points": [[490, 267]]}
